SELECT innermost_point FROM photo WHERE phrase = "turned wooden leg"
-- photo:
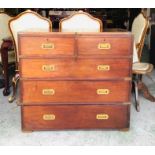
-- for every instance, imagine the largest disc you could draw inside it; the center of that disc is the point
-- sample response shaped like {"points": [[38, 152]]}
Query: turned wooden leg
{"points": [[14, 85], [4, 55], [136, 96], [6, 45]]}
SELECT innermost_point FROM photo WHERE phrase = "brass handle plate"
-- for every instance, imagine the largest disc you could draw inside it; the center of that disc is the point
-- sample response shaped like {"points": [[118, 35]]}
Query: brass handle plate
{"points": [[48, 117], [105, 46], [48, 68], [47, 46], [48, 91], [103, 67], [102, 116], [103, 91]]}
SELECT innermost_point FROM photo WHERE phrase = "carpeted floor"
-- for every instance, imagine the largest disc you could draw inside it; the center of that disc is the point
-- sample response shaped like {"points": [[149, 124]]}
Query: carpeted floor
{"points": [[142, 128]]}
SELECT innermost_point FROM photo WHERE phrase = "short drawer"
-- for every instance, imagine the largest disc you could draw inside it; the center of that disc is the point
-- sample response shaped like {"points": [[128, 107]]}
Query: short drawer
{"points": [[51, 92], [75, 117], [46, 46], [75, 69], [106, 46]]}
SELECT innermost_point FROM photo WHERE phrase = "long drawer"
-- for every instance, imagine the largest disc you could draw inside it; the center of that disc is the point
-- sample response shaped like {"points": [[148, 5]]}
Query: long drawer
{"points": [[106, 46], [75, 69], [75, 117], [46, 46], [51, 92]]}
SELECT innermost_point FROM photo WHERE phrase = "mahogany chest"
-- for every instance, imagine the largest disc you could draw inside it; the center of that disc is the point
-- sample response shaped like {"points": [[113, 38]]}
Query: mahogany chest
{"points": [[75, 80]]}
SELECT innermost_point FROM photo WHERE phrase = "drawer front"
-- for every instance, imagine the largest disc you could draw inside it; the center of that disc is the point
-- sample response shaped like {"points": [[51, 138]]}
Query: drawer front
{"points": [[104, 46], [75, 69], [75, 117], [50, 46], [51, 92]]}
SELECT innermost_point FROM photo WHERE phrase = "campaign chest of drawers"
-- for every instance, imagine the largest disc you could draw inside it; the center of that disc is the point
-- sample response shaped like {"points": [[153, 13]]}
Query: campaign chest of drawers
{"points": [[75, 80]]}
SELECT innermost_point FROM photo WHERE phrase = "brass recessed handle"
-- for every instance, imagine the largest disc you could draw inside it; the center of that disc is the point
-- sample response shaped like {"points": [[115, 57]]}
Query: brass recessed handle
{"points": [[48, 91], [105, 46], [48, 117], [103, 67], [102, 116], [103, 91], [47, 45], [48, 68]]}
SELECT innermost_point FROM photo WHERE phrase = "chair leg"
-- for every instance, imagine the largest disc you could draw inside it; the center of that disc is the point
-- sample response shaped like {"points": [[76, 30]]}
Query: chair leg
{"points": [[143, 88], [136, 96], [4, 55], [6, 45], [14, 85]]}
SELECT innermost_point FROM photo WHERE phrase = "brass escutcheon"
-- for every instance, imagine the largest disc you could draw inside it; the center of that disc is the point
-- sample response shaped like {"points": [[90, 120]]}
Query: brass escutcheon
{"points": [[47, 46], [48, 91], [103, 91], [48, 68], [102, 116], [103, 67], [105, 46], [48, 117]]}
